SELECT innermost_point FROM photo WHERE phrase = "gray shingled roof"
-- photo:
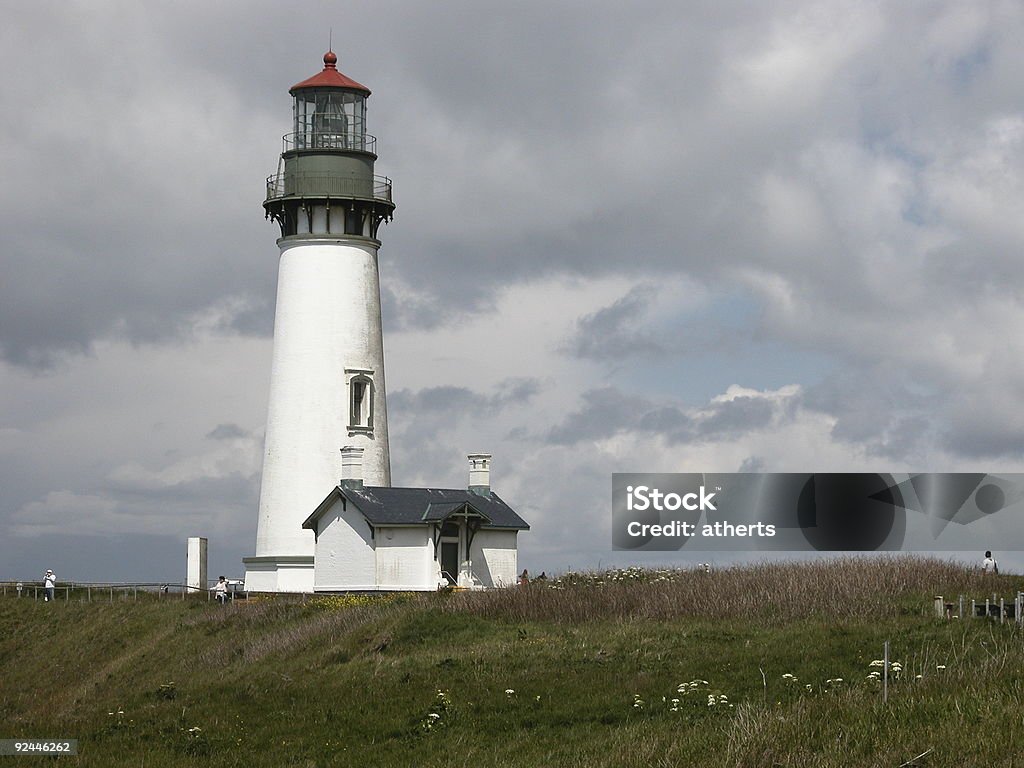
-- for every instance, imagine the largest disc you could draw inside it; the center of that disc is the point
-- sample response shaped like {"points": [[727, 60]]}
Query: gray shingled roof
{"points": [[408, 506]]}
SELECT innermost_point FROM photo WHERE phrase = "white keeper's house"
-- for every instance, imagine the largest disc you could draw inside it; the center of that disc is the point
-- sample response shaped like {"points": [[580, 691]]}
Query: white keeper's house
{"points": [[385, 538], [327, 387]]}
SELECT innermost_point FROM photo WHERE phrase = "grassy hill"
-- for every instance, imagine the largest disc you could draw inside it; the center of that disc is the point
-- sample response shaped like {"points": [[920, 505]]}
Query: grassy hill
{"points": [[755, 666]]}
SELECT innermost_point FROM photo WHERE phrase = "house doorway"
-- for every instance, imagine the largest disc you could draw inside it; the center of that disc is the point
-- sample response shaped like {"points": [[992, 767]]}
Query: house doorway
{"points": [[450, 561]]}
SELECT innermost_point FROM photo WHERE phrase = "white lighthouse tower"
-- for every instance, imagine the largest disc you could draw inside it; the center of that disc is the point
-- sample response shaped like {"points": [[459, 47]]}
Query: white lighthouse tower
{"points": [[327, 380]]}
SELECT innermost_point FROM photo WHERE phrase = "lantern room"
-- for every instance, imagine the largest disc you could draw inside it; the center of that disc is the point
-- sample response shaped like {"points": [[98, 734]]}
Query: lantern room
{"points": [[329, 110]]}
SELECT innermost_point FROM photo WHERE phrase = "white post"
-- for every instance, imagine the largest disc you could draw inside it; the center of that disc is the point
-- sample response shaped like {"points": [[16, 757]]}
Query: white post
{"points": [[197, 546]]}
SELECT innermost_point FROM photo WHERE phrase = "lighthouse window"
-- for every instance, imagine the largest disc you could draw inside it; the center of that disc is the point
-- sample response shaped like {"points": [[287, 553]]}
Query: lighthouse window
{"points": [[330, 123], [361, 403], [353, 222], [358, 390]]}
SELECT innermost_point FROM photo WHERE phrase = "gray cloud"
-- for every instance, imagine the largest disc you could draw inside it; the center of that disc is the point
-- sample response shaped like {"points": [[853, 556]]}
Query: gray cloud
{"points": [[451, 402], [604, 412], [611, 332], [878, 410], [226, 432], [434, 427], [752, 464], [977, 432], [736, 416], [608, 411]]}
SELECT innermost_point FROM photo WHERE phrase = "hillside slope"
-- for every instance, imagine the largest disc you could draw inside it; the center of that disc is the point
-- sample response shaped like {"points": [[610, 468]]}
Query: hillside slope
{"points": [[757, 666]]}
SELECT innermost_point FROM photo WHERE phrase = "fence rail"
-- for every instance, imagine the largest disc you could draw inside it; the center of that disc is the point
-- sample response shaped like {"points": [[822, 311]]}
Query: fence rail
{"points": [[994, 607], [364, 142], [298, 184], [94, 591]]}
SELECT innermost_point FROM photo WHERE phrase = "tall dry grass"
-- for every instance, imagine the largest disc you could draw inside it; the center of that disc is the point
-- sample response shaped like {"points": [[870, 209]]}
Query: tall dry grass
{"points": [[284, 626], [864, 587]]}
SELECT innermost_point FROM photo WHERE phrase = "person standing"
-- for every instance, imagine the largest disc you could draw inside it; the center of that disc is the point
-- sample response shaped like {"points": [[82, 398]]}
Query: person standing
{"points": [[49, 584], [989, 565]]}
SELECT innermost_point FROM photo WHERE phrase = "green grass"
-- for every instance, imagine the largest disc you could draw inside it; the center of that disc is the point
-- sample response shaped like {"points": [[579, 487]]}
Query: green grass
{"points": [[354, 681]]}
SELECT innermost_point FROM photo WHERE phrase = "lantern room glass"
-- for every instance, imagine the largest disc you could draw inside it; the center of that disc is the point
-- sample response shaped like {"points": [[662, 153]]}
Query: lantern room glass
{"points": [[330, 118]]}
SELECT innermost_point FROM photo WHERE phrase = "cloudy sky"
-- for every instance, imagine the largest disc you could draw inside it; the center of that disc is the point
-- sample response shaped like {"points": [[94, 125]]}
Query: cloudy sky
{"points": [[686, 236]]}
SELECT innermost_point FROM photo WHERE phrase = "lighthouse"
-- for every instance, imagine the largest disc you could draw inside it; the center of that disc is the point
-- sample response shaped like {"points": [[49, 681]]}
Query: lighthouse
{"points": [[327, 376]]}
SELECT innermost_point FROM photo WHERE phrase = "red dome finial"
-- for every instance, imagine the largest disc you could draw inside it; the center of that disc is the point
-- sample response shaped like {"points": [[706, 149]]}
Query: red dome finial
{"points": [[330, 77]]}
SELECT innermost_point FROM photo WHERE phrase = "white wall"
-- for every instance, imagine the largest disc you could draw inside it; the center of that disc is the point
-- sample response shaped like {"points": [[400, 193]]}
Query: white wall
{"points": [[327, 320], [259, 578], [344, 557], [494, 557], [405, 559], [398, 558], [279, 576], [294, 578]]}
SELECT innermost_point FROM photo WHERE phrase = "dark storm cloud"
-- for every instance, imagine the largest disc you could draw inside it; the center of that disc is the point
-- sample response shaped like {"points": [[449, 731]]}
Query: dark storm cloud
{"points": [[524, 142], [123, 195], [139, 206]]}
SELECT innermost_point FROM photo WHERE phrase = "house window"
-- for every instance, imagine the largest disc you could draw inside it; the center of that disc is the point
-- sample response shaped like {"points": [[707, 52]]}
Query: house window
{"points": [[360, 388]]}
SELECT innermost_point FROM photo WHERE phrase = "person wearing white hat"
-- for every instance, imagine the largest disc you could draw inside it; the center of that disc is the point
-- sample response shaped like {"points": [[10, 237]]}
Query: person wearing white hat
{"points": [[49, 582]]}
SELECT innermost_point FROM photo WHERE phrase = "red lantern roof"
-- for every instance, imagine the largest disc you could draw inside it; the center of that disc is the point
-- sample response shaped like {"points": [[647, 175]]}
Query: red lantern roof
{"points": [[330, 78]]}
